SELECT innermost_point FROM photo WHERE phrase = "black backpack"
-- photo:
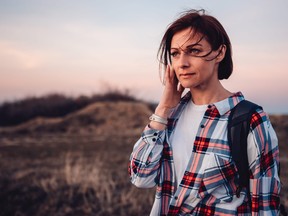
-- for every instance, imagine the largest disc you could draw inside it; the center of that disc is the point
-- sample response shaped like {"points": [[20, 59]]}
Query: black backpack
{"points": [[238, 130]]}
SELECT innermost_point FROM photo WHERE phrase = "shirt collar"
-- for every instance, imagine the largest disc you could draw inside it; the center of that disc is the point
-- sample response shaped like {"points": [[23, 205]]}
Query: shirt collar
{"points": [[222, 106], [229, 103]]}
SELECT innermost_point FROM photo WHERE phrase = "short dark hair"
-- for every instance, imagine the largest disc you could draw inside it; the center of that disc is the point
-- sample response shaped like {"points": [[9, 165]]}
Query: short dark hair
{"points": [[206, 25]]}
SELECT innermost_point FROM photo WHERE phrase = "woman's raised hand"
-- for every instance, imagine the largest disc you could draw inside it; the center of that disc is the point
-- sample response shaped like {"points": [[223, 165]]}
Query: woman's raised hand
{"points": [[171, 94]]}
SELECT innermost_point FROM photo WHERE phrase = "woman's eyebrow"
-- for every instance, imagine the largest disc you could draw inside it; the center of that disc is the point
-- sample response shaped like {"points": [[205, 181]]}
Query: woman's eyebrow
{"points": [[192, 45], [187, 47]]}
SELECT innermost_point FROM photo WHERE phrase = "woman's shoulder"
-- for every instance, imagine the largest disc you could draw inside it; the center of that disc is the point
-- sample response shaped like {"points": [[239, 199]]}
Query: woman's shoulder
{"points": [[259, 116]]}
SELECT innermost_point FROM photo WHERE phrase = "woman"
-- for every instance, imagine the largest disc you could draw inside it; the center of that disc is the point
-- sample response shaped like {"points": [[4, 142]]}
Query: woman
{"points": [[184, 150]]}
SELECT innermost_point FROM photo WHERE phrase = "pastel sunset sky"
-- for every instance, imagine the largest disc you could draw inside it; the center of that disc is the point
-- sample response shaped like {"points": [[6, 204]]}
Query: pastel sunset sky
{"points": [[84, 47]]}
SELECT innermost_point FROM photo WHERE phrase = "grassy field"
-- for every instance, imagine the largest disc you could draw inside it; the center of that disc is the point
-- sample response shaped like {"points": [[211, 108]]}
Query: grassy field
{"points": [[69, 175]]}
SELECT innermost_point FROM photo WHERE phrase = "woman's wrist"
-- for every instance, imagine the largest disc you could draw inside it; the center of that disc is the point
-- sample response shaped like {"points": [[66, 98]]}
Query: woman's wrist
{"points": [[163, 112], [158, 119], [156, 126]]}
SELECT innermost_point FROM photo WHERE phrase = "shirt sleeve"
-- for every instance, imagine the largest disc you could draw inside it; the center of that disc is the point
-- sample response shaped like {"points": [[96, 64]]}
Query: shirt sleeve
{"points": [[263, 156], [145, 158]]}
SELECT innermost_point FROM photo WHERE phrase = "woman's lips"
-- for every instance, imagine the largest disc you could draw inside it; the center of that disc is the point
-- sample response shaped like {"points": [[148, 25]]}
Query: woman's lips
{"points": [[187, 75]]}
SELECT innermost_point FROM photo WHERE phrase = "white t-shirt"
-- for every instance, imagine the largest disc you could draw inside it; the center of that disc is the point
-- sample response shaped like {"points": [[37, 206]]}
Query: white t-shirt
{"points": [[183, 138]]}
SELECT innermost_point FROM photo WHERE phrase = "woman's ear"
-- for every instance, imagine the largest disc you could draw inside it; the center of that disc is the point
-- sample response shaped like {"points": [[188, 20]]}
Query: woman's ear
{"points": [[221, 55]]}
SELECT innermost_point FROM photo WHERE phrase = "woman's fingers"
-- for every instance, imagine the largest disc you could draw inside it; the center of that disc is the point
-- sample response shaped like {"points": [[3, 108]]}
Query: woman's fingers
{"points": [[180, 88], [170, 76], [172, 91]]}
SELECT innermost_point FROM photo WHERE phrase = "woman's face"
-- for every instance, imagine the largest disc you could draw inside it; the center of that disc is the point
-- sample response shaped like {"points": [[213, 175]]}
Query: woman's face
{"points": [[195, 65]]}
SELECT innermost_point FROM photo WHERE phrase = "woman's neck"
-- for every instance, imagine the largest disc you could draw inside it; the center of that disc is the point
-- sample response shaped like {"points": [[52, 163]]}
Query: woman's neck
{"points": [[201, 96]]}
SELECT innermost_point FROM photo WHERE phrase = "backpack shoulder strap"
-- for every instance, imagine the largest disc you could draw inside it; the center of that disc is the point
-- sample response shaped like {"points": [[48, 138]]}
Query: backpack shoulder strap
{"points": [[238, 130]]}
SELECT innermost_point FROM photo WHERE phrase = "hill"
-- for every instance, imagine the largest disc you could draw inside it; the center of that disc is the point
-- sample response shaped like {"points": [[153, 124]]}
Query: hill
{"points": [[99, 119], [121, 118], [53, 105]]}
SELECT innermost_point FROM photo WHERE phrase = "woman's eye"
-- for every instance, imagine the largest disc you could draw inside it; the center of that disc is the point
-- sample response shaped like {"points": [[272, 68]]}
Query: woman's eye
{"points": [[174, 54], [194, 51]]}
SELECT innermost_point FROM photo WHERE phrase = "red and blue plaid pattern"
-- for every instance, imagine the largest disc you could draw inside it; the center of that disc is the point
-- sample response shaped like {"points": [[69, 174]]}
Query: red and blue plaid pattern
{"points": [[208, 186]]}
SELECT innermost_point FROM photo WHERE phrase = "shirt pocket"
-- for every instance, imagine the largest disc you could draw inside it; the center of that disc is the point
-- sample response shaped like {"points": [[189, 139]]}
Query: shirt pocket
{"points": [[206, 173], [218, 178]]}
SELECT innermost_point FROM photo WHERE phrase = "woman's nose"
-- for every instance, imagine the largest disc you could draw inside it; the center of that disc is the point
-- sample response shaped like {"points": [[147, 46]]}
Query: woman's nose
{"points": [[184, 60]]}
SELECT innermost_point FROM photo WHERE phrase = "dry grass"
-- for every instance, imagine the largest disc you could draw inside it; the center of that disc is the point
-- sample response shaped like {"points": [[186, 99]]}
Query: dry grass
{"points": [[80, 176]]}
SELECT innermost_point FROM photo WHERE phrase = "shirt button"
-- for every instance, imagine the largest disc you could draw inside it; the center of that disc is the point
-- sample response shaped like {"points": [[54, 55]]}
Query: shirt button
{"points": [[202, 126], [155, 134], [176, 197], [154, 139]]}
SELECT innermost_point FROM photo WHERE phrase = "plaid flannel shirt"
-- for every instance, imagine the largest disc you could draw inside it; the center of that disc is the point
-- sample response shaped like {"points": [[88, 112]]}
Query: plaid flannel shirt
{"points": [[209, 184]]}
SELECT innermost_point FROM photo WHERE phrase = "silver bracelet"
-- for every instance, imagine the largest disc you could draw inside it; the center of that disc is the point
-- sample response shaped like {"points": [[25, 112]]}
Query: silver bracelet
{"points": [[158, 119]]}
